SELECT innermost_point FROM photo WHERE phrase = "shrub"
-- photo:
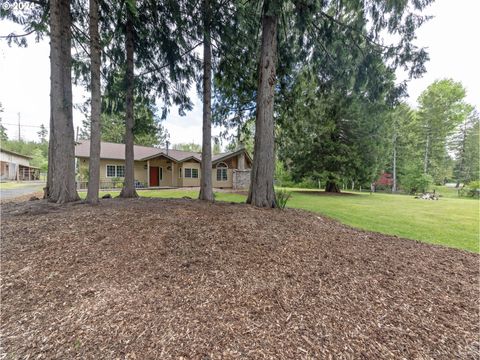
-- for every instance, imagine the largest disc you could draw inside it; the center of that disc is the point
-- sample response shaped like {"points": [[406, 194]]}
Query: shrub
{"points": [[308, 183], [117, 182], [416, 182], [282, 197], [472, 189], [83, 174]]}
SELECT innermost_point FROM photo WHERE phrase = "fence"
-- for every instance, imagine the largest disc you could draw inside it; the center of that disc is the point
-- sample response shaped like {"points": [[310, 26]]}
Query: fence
{"points": [[110, 185]]}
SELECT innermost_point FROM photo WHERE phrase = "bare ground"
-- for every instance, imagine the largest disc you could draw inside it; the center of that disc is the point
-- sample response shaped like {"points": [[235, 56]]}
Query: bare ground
{"points": [[151, 278]]}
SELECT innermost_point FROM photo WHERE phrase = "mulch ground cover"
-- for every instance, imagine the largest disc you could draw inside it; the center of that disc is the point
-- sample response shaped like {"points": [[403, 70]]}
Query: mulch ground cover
{"points": [[160, 279]]}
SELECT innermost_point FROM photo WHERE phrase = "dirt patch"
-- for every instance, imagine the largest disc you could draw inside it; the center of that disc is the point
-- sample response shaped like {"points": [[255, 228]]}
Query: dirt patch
{"points": [[151, 278]]}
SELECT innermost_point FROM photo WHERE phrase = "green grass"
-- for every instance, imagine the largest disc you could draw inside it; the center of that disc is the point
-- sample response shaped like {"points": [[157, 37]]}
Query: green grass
{"points": [[451, 221], [10, 185], [449, 192]]}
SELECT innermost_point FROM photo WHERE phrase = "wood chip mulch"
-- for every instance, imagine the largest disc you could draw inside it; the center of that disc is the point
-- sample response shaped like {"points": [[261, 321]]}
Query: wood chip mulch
{"points": [[160, 279]]}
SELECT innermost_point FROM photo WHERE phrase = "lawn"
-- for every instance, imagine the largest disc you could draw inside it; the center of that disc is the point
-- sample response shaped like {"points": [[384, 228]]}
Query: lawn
{"points": [[11, 185], [452, 222]]}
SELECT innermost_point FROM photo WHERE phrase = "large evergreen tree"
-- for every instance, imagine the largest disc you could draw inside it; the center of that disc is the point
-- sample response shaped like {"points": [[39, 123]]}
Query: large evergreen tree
{"points": [[148, 130], [61, 186], [96, 104], [54, 18], [206, 190], [128, 189], [332, 136], [306, 32]]}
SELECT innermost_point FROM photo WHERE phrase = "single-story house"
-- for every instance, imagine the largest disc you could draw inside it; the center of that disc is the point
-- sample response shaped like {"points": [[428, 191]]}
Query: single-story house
{"points": [[15, 166], [155, 167]]}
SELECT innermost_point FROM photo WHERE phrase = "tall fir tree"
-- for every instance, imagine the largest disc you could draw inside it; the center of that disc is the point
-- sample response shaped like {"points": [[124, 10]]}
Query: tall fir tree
{"points": [[306, 33], [61, 186], [206, 190], [96, 104]]}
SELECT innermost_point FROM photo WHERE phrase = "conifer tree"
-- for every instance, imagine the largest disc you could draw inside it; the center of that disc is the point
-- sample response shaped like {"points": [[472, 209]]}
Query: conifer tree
{"points": [[306, 33], [96, 104]]}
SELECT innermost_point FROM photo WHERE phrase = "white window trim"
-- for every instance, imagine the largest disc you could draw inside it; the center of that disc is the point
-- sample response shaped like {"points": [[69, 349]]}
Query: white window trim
{"points": [[112, 177], [192, 169], [106, 171], [116, 171], [222, 165]]}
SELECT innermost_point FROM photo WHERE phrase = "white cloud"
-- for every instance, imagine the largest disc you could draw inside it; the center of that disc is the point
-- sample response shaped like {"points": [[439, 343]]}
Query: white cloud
{"points": [[450, 38]]}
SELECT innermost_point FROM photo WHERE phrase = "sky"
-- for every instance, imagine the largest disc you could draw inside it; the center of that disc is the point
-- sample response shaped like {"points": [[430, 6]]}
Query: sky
{"points": [[451, 38]]}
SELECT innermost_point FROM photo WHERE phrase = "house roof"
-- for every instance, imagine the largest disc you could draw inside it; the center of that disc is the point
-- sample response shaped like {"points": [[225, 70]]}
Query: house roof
{"points": [[15, 153], [141, 153]]}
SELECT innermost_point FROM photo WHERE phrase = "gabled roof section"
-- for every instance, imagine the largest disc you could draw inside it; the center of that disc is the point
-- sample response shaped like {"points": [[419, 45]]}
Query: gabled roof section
{"points": [[15, 153], [221, 157], [197, 157], [115, 151]]}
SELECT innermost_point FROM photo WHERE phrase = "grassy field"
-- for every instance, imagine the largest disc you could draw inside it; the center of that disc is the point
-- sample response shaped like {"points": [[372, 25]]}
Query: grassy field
{"points": [[452, 222]]}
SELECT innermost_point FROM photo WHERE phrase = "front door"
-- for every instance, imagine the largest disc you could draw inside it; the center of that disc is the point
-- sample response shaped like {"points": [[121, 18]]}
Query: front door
{"points": [[154, 176]]}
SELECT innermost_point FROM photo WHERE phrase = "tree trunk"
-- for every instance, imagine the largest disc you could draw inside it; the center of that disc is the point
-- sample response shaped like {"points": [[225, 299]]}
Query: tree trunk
{"points": [[394, 185], [332, 187], [51, 164], [128, 190], [96, 103], [262, 192], [461, 170], [425, 160], [61, 181], [206, 192]]}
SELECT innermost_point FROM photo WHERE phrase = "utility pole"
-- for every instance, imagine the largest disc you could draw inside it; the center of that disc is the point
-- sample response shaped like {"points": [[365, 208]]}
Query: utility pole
{"points": [[19, 133]]}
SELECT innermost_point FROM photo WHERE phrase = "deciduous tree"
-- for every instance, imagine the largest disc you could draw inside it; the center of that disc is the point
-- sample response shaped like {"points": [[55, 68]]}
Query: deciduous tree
{"points": [[465, 145], [441, 109]]}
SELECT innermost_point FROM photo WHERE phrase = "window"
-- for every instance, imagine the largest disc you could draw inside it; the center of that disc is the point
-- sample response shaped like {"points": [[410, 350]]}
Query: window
{"points": [[179, 172], [120, 171], [161, 173], [111, 171], [115, 171], [222, 172], [191, 173]]}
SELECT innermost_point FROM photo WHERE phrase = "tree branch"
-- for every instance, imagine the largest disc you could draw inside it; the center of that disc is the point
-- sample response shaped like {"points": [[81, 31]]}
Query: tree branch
{"points": [[158, 68], [12, 35]]}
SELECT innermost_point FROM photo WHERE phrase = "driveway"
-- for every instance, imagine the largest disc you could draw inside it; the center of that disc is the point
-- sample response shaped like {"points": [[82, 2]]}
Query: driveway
{"points": [[10, 191]]}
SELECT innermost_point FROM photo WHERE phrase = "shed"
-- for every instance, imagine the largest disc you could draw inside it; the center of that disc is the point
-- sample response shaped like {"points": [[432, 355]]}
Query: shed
{"points": [[15, 166]]}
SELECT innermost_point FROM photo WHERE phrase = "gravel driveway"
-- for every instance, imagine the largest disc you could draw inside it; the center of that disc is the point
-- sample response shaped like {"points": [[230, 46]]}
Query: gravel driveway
{"points": [[23, 189]]}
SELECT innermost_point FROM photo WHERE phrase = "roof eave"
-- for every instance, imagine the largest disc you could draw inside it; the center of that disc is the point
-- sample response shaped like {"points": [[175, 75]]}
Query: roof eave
{"points": [[229, 155], [158, 155]]}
